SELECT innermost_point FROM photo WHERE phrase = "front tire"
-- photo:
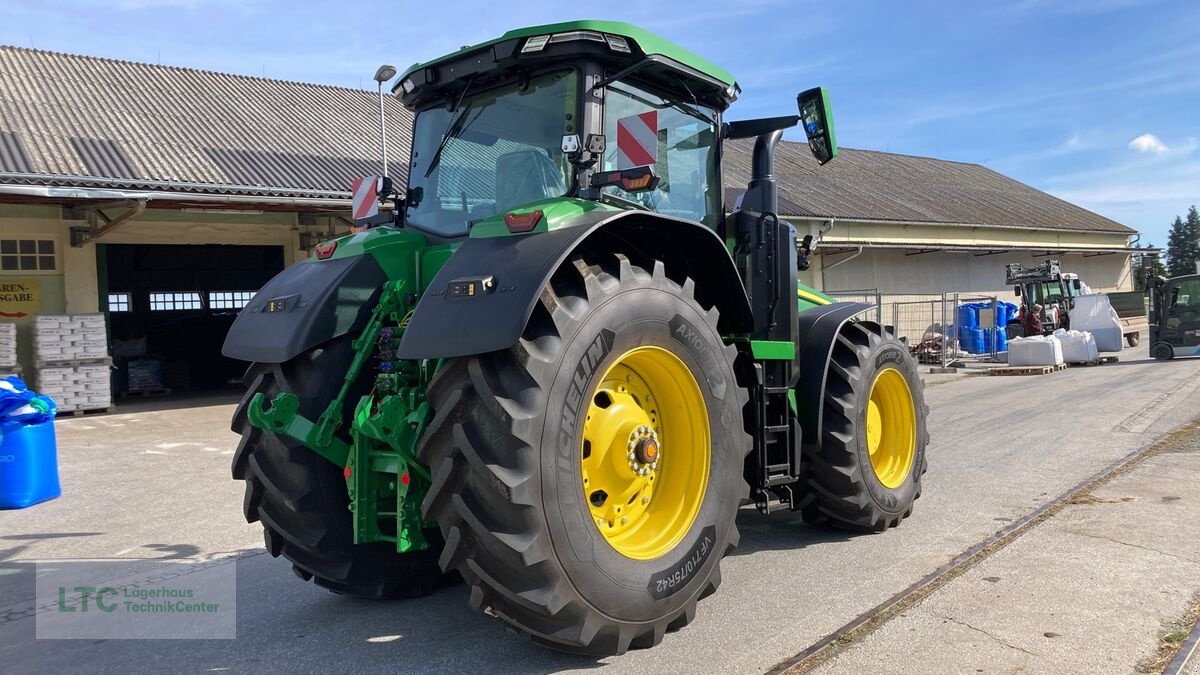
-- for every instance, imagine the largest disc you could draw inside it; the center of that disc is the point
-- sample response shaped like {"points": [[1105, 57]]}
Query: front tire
{"points": [[554, 533], [1163, 352], [300, 497], [866, 473]]}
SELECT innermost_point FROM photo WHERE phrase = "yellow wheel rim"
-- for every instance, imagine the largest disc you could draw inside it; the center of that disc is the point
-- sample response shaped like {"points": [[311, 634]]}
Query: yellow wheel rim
{"points": [[645, 452], [891, 428]]}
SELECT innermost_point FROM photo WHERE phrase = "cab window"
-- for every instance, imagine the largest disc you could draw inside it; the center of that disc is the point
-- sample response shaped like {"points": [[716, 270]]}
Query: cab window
{"points": [[676, 140]]}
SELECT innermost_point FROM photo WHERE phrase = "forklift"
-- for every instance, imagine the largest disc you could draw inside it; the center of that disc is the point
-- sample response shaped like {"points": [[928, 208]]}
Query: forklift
{"points": [[1175, 317]]}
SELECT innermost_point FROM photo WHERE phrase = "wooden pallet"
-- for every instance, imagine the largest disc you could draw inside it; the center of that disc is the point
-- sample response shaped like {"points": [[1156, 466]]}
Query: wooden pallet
{"points": [[74, 363], [1098, 362], [134, 393], [1027, 370], [90, 411]]}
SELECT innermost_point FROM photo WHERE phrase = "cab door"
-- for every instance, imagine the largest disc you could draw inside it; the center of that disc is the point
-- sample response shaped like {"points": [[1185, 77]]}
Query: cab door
{"points": [[1182, 316]]}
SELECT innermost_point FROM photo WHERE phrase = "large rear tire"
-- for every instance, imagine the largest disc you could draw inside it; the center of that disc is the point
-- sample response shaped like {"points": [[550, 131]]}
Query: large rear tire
{"points": [[580, 547], [867, 472], [300, 497]]}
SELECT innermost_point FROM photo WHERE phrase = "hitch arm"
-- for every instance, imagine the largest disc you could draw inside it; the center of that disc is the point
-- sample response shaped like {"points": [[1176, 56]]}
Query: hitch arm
{"points": [[282, 418]]}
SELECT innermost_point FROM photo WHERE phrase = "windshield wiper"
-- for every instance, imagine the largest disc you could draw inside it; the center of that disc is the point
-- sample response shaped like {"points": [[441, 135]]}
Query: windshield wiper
{"points": [[621, 201], [455, 128]]}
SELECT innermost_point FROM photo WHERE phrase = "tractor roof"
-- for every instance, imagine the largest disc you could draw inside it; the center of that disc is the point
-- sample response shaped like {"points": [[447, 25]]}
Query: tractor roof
{"points": [[508, 48]]}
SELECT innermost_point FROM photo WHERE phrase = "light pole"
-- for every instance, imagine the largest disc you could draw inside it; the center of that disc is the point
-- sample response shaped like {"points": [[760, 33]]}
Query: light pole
{"points": [[385, 73]]}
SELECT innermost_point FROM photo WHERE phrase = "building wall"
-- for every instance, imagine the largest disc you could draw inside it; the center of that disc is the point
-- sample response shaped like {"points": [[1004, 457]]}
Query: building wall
{"points": [[891, 271], [74, 286]]}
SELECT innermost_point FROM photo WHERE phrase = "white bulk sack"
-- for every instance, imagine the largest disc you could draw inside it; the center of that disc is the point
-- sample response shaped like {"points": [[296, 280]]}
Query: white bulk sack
{"points": [[1077, 346], [1094, 314], [1041, 350]]}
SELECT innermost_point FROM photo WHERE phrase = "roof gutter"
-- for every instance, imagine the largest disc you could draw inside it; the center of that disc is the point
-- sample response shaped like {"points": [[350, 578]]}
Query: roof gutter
{"points": [[875, 221], [967, 248], [172, 191]]}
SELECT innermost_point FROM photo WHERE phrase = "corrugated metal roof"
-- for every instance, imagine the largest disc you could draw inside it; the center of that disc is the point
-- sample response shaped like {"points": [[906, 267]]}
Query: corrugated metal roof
{"points": [[67, 117], [13, 156], [84, 116], [880, 186]]}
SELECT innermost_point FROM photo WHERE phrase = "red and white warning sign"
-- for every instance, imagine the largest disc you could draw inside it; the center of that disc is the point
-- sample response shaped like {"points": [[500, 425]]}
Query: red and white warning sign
{"points": [[366, 196], [637, 140]]}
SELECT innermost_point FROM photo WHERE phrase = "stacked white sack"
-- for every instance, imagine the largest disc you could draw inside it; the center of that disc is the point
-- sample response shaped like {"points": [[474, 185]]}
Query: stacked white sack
{"points": [[1077, 346], [1095, 314], [1041, 350]]}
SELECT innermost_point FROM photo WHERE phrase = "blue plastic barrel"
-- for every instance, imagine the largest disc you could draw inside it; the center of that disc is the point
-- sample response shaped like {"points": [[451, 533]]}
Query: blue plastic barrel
{"points": [[968, 316], [1000, 340], [28, 466], [971, 340]]}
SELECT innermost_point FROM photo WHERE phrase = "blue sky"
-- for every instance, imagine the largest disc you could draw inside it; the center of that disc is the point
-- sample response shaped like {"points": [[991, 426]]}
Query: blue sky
{"points": [[1096, 101]]}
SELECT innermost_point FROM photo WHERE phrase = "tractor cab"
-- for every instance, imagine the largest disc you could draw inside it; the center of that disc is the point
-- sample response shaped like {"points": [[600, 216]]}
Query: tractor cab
{"points": [[590, 110], [597, 114]]}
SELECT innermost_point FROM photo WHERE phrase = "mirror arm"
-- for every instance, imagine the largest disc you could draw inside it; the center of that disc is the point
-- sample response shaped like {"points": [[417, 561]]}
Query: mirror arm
{"points": [[757, 127]]}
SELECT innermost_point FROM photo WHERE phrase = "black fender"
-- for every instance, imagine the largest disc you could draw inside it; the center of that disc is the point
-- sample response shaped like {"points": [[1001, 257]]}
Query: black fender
{"points": [[817, 331], [303, 306], [482, 298]]}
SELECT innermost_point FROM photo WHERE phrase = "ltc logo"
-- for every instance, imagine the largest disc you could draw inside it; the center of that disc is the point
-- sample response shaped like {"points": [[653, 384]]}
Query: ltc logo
{"points": [[8, 458], [86, 593]]}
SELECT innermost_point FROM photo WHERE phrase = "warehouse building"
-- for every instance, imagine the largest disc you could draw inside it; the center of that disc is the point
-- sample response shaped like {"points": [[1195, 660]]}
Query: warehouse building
{"points": [[917, 226], [165, 197]]}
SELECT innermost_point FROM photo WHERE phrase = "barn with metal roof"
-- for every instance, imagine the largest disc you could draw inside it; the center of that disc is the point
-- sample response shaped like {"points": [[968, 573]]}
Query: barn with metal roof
{"points": [[164, 196]]}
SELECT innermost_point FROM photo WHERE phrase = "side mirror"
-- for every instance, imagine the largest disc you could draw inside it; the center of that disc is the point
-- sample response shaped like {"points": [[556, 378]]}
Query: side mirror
{"points": [[1076, 284], [1017, 291], [817, 118]]}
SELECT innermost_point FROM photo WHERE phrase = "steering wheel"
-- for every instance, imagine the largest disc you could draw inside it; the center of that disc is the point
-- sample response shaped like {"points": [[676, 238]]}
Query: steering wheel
{"points": [[1189, 315]]}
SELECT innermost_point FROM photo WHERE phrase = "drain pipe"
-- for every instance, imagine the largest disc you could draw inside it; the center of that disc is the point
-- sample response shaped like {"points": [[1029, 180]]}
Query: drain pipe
{"points": [[847, 259]]}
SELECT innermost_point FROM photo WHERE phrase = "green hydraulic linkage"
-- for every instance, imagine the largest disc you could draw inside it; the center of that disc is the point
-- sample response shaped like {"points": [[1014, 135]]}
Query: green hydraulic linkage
{"points": [[380, 465]]}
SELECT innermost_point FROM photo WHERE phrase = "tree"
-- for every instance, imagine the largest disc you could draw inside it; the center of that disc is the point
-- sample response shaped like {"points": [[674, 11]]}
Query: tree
{"points": [[1193, 228], [1183, 244]]}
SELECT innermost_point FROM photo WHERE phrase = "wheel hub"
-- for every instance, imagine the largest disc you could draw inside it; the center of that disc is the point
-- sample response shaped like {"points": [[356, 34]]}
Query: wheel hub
{"points": [[891, 433], [641, 501]]}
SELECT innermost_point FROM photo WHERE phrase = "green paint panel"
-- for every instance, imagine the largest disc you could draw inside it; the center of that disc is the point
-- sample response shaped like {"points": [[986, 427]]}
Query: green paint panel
{"points": [[773, 350], [647, 41], [556, 212]]}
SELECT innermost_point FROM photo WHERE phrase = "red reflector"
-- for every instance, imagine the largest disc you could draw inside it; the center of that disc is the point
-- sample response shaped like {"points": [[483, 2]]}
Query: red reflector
{"points": [[405, 479], [346, 473], [325, 250], [522, 222]]}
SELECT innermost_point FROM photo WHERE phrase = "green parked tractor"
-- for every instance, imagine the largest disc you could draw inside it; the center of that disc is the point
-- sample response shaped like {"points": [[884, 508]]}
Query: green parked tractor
{"points": [[558, 367]]}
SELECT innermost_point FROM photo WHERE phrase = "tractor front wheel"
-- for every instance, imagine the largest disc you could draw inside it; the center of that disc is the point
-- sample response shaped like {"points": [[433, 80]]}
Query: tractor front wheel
{"points": [[586, 479], [300, 497], [866, 473]]}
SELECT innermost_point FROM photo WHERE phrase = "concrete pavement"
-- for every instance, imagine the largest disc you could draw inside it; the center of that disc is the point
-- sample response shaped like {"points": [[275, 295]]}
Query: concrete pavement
{"points": [[1089, 590], [1001, 447]]}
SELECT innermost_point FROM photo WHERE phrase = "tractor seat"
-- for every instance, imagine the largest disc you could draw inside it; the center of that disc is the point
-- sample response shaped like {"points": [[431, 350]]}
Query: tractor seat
{"points": [[526, 176]]}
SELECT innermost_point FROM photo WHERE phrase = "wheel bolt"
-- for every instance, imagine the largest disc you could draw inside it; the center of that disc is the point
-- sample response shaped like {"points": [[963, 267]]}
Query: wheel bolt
{"points": [[624, 520], [646, 499]]}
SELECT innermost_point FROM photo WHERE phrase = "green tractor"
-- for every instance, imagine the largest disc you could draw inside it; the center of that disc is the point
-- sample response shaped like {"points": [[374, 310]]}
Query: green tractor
{"points": [[558, 368]]}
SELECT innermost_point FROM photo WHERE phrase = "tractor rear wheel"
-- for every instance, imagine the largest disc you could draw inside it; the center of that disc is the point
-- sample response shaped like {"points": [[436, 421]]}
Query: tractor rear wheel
{"points": [[866, 474], [586, 480], [300, 497]]}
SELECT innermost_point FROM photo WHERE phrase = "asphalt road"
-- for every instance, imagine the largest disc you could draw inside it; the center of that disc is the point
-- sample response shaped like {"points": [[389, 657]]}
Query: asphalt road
{"points": [[156, 484]]}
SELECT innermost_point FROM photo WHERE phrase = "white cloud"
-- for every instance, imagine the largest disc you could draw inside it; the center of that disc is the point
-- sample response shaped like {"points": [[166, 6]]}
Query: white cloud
{"points": [[1148, 143]]}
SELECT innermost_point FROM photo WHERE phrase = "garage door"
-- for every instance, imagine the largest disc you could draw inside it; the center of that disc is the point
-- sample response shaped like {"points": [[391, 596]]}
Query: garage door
{"points": [[174, 304]]}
